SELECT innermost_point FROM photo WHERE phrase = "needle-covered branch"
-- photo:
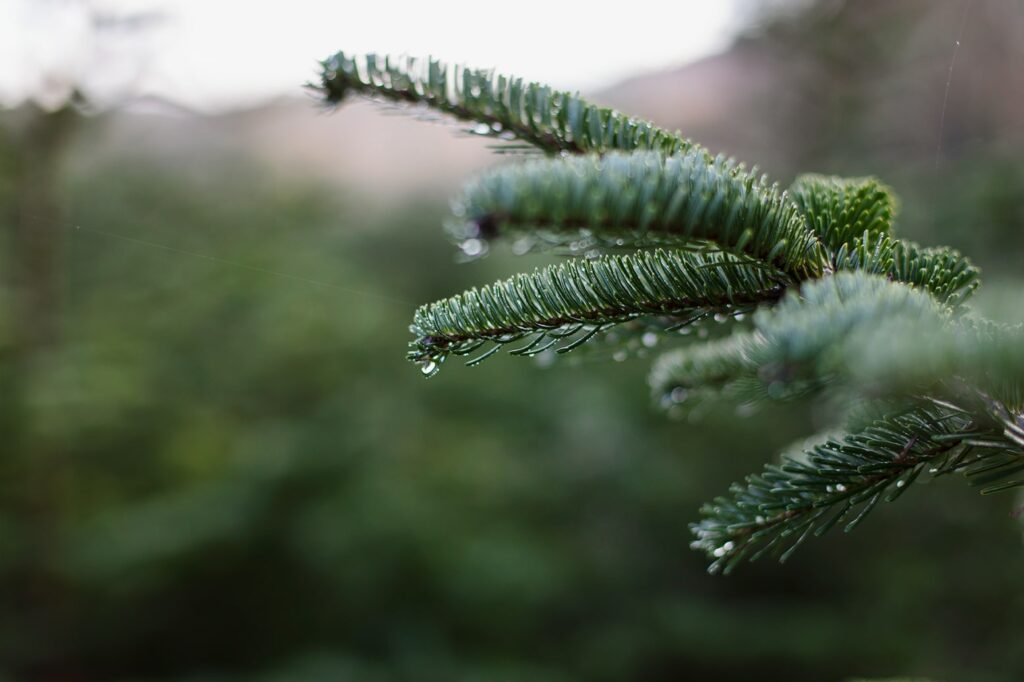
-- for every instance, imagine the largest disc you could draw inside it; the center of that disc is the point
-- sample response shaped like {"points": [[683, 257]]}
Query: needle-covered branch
{"points": [[501, 106], [855, 332], [566, 304], [853, 218], [645, 197], [943, 272], [841, 479], [840, 210], [808, 339], [842, 308]]}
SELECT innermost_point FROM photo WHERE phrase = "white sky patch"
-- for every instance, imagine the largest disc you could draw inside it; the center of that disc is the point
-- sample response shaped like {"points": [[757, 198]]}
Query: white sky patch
{"points": [[214, 54]]}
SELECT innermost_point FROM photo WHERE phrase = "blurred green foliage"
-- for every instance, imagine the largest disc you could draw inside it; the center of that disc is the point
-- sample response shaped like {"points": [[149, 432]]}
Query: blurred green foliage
{"points": [[221, 472]]}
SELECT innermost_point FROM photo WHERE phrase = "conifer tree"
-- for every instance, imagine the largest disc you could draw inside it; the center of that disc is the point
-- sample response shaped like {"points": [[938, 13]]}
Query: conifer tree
{"points": [[823, 299]]}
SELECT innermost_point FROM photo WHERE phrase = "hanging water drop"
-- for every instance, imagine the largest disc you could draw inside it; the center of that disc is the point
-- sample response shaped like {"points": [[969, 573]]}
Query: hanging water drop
{"points": [[545, 359], [649, 339], [746, 410], [429, 368], [522, 246], [472, 247]]}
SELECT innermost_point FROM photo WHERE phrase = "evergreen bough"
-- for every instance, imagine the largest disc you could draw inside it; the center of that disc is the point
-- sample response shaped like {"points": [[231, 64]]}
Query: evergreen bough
{"points": [[664, 236]]}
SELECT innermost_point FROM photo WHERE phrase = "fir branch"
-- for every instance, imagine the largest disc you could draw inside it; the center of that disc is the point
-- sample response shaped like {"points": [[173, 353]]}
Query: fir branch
{"points": [[942, 357], [853, 217], [709, 366], [812, 337], [842, 479], [876, 319], [691, 379], [642, 196], [504, 107], [856, 335], [840, 210], [943, 272], [571, 302]]}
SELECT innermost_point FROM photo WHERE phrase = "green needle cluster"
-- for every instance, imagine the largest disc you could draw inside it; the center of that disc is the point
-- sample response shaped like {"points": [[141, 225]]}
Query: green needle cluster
{"points": [[833, 304]]}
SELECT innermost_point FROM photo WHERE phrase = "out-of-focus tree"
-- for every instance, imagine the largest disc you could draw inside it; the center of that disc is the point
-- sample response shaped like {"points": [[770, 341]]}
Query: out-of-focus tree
{"points": [[61, 59]]}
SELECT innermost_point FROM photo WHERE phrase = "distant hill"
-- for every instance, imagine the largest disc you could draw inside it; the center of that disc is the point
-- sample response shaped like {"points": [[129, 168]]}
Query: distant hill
{"points": [[355, 146], [851, 81], [849, 90]]}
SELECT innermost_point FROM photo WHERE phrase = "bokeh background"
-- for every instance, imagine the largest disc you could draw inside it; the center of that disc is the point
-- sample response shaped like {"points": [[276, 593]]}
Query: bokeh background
{"points": [[216, 463]]}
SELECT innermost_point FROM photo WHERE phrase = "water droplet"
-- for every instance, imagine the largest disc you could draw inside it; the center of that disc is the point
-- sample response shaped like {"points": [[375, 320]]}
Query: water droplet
{"points": [[746, 410], [649, 339], [472, 247], [429, 368], [545, 358], [900, 484], [721, 317], [678, 394], [482, 129], [840, 488], [739, 316], [686, 331], [619, 356]]}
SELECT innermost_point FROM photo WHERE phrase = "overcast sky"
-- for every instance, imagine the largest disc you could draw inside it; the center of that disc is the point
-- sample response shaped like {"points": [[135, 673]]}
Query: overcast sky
{"points": [[212, 54]]}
